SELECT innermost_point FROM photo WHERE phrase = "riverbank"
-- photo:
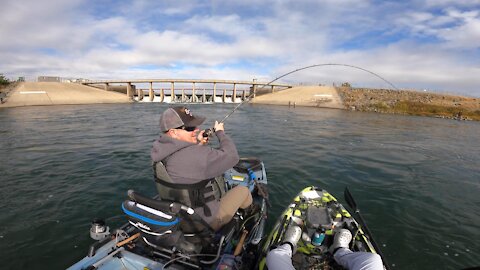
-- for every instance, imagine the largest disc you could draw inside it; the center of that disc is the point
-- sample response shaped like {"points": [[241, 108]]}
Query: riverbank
{"points": [[411, 103], [54, 93], [377, 100], [354, 99]]}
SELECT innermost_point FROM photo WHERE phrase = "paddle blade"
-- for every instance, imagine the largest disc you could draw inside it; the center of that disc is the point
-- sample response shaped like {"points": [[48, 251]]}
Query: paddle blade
{"points": [[349, 199]]}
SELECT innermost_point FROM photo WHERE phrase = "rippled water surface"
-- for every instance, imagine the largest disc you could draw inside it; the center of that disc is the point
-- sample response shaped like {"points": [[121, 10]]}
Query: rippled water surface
{"points": [[416, 179]]}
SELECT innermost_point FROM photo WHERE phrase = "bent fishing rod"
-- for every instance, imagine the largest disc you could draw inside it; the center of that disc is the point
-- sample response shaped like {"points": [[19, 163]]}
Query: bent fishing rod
{"points": [[208, 132]]}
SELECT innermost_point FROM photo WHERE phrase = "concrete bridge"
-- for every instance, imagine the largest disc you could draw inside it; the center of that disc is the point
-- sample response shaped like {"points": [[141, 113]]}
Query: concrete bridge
{"points": [[188, 90]]}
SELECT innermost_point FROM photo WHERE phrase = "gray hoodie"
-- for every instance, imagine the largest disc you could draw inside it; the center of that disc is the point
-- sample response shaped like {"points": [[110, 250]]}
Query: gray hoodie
{"points": [[190, 163]]}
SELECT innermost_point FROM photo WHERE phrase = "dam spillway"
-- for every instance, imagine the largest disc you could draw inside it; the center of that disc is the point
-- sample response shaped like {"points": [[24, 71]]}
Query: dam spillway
{"points": [[187, 90], [189, 96]]}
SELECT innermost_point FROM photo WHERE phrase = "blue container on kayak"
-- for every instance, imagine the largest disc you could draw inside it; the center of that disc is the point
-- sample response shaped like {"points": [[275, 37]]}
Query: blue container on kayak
{"points": [[318, 237]]}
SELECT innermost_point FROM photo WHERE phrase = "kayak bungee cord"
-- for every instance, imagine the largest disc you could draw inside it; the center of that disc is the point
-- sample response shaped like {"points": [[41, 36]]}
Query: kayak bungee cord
{"points": [[208, 132]]}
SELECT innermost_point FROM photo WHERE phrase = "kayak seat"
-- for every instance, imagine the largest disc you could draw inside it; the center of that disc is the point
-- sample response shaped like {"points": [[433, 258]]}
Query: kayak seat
{"points": [[169, 190], [185, 213], [161, 205], [160, 222], [189, 223]]}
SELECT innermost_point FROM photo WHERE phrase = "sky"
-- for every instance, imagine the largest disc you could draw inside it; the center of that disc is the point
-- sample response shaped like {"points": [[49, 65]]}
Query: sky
{"points": [[431, 45]]}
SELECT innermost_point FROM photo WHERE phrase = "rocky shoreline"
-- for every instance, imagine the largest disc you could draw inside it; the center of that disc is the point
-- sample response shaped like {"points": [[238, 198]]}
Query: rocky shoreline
{"points": [[410, 102]]}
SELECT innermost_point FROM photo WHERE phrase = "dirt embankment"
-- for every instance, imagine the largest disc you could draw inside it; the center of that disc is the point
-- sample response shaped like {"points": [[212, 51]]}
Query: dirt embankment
{"points": [[311, 96], [55, 93], [410, 102]]}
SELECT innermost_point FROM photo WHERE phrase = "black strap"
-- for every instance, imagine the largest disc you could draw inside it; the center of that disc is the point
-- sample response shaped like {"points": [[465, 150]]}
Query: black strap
{"points": [[198, 199], [199, 185], [196, 191]]}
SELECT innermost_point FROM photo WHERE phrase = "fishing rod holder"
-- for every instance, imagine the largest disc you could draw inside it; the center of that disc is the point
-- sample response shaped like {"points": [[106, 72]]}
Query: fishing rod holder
{"points": [[99, 230]]}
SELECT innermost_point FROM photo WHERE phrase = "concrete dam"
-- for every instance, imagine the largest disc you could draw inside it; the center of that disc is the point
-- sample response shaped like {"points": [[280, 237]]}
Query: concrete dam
{"points": [[187, 90], [125, 91]]}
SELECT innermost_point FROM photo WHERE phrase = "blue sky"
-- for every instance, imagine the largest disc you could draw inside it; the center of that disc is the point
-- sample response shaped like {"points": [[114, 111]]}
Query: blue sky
{"points": [[429, 44]]}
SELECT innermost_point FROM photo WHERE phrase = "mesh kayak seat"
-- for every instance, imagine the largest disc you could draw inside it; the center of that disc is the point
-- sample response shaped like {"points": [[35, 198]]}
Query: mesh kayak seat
{"points": [[159, 221]]}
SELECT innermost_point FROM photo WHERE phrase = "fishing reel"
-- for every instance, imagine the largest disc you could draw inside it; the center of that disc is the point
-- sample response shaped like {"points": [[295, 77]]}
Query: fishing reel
{"points": [[208, 132]]}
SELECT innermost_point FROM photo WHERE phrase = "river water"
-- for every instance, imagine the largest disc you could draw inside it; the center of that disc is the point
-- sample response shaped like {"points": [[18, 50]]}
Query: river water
{"points": [[415, 179]]}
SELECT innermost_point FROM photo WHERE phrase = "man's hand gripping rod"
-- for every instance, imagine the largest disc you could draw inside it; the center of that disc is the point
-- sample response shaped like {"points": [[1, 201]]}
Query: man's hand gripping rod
{"points": [[209, 131]]}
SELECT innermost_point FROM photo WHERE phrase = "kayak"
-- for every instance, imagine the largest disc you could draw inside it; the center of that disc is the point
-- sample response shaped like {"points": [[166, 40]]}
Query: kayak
{"points": [[159, 234], [319, 215]]}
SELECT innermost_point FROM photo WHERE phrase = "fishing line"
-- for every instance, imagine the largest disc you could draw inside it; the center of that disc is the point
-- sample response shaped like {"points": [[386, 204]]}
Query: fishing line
{"points": [[208, 132]]}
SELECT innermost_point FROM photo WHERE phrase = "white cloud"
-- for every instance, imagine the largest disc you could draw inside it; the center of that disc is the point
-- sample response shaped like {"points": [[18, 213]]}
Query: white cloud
{"points": [[230, 25], [466, 34], [457, 29], [448, 3]]}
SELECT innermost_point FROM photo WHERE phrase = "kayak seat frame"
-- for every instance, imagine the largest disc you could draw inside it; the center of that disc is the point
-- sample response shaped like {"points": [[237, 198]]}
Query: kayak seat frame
{"points": [[188, 242], [172, 207]]}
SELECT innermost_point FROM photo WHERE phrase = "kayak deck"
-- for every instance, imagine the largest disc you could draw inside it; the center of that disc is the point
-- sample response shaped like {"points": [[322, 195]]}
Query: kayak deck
{"points": [[319, 215]]}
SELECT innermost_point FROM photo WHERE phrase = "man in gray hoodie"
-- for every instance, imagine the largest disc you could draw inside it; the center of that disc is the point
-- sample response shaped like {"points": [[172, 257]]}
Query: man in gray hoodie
{"points": [[191, 165]]}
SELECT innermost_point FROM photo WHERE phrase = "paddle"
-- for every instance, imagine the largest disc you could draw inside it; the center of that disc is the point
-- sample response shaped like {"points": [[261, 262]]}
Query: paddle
{"points": [[351, 202]]}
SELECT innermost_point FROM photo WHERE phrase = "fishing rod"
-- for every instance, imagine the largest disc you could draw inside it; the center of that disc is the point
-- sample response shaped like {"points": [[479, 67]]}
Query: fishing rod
{"points": [[353, 205], [208, 132]]}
